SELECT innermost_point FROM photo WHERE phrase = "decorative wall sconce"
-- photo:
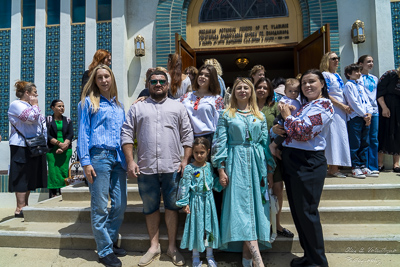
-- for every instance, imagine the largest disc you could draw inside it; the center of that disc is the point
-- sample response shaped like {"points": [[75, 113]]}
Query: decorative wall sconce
{"points": [[139, 46], [357, 32], [242, 62]]}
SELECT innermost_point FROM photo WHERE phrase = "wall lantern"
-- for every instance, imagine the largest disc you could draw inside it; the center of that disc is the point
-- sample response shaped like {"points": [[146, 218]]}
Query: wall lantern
{"points": [[357, 32], [242, 62], [139, 46]]}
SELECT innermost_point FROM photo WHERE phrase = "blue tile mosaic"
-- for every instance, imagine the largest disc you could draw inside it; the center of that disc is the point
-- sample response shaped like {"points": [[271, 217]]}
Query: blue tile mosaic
{"points": [[77, 69], [5, 42], [395, 7], [104, 36], [28, 55], [52, 66]]}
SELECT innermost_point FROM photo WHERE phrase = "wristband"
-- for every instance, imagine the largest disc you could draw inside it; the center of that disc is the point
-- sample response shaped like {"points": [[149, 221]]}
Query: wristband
{"points": [[58, 142]]}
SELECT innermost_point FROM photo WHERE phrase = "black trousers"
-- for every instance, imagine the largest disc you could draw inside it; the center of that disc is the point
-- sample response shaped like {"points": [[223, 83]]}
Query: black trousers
{"points": [[304, 176]]}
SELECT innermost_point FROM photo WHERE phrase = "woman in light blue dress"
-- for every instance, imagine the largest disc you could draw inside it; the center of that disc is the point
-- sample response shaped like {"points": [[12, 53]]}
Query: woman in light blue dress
{"points": [[245, 165]]}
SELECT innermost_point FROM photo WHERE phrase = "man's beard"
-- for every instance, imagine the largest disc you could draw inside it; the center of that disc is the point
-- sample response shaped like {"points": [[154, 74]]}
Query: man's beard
{"points": [[158, 96]]}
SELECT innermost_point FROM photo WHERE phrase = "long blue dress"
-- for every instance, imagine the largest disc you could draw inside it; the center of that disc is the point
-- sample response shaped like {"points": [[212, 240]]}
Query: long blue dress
{"points": [[201, 225], [242, 143]]}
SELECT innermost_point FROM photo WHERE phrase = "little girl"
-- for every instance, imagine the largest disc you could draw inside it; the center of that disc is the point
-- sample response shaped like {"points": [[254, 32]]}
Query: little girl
{"points": [[196, 198]]}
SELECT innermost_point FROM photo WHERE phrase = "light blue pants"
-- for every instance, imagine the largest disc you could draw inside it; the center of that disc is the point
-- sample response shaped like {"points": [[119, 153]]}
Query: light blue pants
{"points": [[110, 180], [373, 143]]}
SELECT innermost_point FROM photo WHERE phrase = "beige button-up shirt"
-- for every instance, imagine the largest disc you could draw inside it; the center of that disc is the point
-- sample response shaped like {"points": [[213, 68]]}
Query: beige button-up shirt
{"points": [[161, 129]]}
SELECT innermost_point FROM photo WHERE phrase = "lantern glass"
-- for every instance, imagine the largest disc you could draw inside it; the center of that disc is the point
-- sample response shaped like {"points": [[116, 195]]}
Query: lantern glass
{"points": [[360, 31], [142, 45]]}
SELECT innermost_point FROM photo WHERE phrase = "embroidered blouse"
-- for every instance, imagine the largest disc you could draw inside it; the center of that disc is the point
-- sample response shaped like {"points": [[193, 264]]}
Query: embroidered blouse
{"points": [[357, 99], [203, 112], [307, 130], [27, 119], [370, 84], [335, 85]]}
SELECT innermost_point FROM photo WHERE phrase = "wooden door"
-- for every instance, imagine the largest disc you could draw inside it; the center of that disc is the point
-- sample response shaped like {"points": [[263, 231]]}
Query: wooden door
{"points": [[308, 53], [187, 54]]}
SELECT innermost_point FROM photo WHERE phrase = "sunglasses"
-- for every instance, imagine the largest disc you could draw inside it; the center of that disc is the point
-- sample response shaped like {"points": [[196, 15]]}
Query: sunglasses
{"points": [[335, 58], [154, 82]]}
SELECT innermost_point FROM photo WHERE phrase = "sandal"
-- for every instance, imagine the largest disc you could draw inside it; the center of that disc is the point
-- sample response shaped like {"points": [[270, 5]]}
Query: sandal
{"points": [[285, 233]]}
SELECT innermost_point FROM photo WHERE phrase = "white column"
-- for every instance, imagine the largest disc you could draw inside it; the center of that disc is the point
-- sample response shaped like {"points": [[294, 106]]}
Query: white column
{"points": [[118, 45], [91, 31], [382, 36], [40, 52], [65, 55], [15, 47]]}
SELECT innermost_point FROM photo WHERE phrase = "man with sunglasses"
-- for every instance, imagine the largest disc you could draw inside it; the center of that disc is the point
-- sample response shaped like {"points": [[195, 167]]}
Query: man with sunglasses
{"points": [[161, 127]]}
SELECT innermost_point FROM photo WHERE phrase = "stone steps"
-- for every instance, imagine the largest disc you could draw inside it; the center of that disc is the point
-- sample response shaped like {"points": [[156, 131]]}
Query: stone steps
{"points": [[339, 238], [332, 211], [358, 216]]}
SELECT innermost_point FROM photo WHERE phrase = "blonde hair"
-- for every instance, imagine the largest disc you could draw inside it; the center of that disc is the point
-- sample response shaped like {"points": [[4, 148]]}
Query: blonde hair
{"points": [[232, 107], [255, 69], [324, 65], [292, 82], [213, 62], [93, 91]]}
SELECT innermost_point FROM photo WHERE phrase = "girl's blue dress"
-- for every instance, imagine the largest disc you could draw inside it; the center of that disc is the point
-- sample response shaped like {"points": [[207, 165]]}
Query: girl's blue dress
{"points": [[201, 226], [242, 143]]}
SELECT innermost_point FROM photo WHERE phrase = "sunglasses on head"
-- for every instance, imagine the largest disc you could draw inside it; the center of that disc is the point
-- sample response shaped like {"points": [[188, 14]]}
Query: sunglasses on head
{"points": [[335, 58], [154, 82]]}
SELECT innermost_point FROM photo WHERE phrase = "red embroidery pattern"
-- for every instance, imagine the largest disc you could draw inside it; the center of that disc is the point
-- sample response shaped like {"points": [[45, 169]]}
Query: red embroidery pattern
{"points": [[184, 96], [219, 103], [27, 112], [316, 119]]}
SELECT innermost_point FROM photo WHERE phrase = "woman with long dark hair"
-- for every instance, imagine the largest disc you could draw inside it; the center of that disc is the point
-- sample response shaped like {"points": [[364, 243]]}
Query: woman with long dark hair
{"points": [[179, 83], [305, 166]]}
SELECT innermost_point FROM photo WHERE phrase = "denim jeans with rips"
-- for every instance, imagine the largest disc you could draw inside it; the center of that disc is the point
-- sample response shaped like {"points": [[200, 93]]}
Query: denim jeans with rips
{"points": [[110, 180]]}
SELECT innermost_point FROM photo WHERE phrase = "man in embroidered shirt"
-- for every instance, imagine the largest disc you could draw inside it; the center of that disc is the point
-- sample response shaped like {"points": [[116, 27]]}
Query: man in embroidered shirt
{"points": [[161, 127]]}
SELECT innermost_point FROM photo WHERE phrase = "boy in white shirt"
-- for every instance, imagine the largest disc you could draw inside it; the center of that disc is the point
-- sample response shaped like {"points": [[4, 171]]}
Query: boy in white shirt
{"points": [[358, 121], [292, 90]]}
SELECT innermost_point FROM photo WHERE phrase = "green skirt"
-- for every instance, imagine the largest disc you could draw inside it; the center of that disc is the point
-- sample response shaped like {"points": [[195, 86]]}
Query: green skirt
{"points": [[58, 165]]}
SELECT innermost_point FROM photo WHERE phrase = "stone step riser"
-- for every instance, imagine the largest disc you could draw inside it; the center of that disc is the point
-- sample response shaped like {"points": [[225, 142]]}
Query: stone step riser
{"points": [[348, 194], [135, 244], [327, 216]]}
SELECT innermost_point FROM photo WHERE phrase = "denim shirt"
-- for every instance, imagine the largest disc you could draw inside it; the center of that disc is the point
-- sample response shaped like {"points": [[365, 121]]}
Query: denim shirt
{"points": [[101, 129]]}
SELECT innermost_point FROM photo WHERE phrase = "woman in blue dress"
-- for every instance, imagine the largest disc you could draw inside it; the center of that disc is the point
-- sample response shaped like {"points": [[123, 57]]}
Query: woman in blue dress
{"points": [[245, 166]]}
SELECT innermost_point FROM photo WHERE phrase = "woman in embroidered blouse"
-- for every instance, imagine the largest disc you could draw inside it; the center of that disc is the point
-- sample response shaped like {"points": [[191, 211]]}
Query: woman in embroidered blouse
{"points": [[244, 162], [179, 83], [370, 84], [305, 166], [101, 116], [388, 96], [337, 151], [26, 173], [59, 137]]}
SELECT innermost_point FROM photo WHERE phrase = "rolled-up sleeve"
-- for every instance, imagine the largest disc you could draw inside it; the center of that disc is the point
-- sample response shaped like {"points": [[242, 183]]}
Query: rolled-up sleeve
{"points": [[128, 131], [185, 131]]}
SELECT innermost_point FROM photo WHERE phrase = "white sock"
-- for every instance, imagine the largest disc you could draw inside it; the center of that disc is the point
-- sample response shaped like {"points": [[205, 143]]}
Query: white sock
{"points": [[209, 253], [247, 263], [196, 253]]}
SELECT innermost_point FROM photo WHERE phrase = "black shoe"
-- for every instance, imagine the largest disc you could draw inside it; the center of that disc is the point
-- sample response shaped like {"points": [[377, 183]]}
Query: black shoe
{"points": [[381, 168], [119, 252], [296, 262], [110, 261], [19, 215], [396, 169]]}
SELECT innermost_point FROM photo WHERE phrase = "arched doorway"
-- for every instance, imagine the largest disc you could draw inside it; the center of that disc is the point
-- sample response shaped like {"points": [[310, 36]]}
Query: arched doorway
{"points": [[310, 15]]}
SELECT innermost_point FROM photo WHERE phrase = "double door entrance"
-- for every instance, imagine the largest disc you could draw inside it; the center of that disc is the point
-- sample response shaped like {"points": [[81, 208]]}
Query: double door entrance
{"points": [[283, 60]]}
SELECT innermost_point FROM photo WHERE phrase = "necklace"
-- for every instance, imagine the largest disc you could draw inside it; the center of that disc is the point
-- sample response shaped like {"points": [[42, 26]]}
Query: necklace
{"points": [[243, 111]]}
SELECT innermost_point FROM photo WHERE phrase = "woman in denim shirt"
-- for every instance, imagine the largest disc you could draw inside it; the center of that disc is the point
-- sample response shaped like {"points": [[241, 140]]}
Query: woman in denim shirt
{"points": [[101, 116]]}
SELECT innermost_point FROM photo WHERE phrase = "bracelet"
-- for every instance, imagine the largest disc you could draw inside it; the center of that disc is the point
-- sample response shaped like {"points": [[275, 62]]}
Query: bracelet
{"points": [[58, 142]]}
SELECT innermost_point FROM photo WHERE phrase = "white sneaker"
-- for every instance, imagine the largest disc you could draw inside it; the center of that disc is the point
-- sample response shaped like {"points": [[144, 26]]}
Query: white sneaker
{"points": [[367, 172], [357, 173], [375, 172], [196, 262]]}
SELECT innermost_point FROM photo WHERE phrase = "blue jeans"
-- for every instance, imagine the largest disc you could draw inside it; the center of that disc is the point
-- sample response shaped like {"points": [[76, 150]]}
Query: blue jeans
{"points": [[358, 140], [372, 162], [110, 180]]}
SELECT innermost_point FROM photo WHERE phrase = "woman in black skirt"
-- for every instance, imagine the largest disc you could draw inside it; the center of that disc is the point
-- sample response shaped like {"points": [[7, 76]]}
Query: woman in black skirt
{"points": [[26, 173], [305, 166], [388, 96]]}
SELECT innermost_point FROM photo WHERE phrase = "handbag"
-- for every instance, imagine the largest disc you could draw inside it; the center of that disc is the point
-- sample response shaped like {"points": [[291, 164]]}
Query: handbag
{"points": [[36, 145]]}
